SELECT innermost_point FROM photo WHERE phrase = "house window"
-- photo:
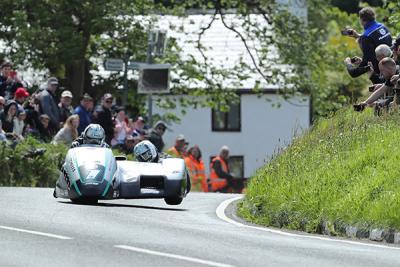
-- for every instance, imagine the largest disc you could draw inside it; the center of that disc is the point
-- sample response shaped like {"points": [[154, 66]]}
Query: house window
{"points": [[227, 121], [236, 165]]}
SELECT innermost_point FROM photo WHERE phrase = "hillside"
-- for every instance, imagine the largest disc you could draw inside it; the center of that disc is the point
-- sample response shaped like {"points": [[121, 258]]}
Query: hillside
{"points": [[344, 171]]}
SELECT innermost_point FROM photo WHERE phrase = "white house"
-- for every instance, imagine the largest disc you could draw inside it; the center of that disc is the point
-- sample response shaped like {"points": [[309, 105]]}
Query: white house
{"points": [[254, 129]]}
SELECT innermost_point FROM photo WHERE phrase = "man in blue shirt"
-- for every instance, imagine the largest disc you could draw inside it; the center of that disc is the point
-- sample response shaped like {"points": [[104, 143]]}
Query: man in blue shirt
{"points": [[374, 35], [84, 112]]}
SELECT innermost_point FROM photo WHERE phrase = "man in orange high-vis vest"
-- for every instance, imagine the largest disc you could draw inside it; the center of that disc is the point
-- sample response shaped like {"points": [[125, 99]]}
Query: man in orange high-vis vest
{"points": [[220, 177], [177, 150], [195, 165]]}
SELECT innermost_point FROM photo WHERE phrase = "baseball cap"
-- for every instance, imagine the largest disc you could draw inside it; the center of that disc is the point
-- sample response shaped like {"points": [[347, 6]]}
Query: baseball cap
{"points": [[140, 118], [66, 93], [86, 96], [180, 137], [52, 80], [107, 96], [21, 92]]}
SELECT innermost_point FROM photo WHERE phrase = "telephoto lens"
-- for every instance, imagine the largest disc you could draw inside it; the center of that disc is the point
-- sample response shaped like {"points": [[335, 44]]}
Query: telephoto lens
{"points": [[371, 88]]}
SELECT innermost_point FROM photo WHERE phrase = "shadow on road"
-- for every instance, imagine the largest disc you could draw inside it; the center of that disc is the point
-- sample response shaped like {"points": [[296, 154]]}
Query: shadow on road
{"points": [[123, 206]]}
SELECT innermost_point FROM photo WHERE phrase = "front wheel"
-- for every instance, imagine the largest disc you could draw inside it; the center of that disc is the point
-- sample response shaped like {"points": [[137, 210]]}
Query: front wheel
{"points": [[173, 200]]}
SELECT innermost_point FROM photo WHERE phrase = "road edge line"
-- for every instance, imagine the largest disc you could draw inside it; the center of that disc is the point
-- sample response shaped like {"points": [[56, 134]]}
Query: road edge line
{"points": [[220, 212]]}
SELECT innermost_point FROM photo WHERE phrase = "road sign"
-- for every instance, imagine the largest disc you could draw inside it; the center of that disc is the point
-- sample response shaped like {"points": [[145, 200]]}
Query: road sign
{"points": [[135, 65], [154, 79], [114, 64]]}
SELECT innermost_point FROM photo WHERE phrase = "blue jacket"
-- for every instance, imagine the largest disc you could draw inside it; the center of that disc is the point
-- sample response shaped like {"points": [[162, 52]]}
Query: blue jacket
{"points": [[85, 118], [374, 35]]}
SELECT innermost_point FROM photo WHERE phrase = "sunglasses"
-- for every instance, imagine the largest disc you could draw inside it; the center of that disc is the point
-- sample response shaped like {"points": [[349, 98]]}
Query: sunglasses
{"points": [[109, 101], [1, 104]]}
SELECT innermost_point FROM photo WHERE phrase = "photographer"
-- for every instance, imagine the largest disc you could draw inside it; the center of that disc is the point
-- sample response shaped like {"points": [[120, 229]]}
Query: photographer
{"points": [[387, 67], [9, 81], [375, 34]]}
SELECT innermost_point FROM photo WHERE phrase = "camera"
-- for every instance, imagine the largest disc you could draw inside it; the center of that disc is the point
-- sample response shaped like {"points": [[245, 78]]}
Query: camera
{"points": [[353, 60], [358, 107], [346, 32], [371, 88]]}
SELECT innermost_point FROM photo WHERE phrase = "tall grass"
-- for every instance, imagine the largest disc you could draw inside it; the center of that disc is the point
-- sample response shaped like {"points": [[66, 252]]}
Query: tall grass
{"points": [[346, 169]]}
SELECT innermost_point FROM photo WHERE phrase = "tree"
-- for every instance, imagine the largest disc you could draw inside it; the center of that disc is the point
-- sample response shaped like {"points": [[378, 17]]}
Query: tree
{"points": [[69, 37]]}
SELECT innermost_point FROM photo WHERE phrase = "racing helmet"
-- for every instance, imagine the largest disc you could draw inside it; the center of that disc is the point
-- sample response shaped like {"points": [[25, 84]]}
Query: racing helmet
{"points": [[145, 151], [93, 134]]}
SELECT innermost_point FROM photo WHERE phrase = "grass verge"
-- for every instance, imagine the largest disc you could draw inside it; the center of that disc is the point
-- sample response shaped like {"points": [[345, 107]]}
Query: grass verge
{"points": [[345, 170]]}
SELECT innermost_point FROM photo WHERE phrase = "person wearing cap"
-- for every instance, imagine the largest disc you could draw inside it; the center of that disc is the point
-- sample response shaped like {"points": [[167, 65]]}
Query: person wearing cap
{"points": [[138, 127], [103, 116], [155, 135], [177, 150], [48, 104], [84, 111], [65, 106], [220, 177], [20, 95]]}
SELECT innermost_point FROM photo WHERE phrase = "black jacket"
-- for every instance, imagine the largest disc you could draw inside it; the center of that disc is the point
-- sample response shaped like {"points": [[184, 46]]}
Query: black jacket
{"points": [[220, 172], [103, 116], [374, 35], [7, 125], [156, 139], [7, 89]]}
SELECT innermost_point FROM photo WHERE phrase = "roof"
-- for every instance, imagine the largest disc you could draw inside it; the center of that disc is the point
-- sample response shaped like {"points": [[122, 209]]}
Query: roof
{"points": [[224, 48]]}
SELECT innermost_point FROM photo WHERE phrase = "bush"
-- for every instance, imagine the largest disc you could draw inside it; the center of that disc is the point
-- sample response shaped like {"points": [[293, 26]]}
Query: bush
{"points": [[345, 170], [21, 167]]}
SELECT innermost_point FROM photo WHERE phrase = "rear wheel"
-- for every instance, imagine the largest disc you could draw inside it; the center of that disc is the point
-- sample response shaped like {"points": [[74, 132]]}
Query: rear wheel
{"points": [[173, 200]]}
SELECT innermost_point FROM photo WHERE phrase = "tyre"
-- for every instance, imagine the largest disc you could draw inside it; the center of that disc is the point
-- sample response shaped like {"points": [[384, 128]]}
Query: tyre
{"points": [[173, 200], [88, 201]]}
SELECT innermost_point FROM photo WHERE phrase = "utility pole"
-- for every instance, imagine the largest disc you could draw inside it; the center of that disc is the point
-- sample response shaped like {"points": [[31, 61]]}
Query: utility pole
{"points": [[125, 98], [149, 60]]}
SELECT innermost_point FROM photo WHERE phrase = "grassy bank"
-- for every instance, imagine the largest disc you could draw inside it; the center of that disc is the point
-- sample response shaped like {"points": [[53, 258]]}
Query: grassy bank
{"points": [[346, 170]]}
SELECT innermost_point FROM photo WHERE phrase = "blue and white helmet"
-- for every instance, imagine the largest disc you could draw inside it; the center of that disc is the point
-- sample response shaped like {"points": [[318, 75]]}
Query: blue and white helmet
{"points": [[145, 151], [93, 134]]}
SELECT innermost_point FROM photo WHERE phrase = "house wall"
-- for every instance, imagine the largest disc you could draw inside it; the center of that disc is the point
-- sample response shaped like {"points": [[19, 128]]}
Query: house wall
{"points": [[264, 129]]}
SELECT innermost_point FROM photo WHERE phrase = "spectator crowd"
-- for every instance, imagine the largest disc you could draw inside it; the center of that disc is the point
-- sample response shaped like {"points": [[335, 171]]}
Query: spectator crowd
{"points": [[380, 61], [48, 118]]}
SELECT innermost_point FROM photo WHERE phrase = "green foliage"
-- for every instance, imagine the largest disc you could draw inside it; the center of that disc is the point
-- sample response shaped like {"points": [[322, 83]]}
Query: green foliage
{"points": [[21, 169], [345, 169]]}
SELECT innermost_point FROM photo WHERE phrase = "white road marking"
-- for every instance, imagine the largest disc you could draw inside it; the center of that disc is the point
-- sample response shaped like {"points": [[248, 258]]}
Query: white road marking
{"points": [[220, 211], [34, 232], [173, 256]]}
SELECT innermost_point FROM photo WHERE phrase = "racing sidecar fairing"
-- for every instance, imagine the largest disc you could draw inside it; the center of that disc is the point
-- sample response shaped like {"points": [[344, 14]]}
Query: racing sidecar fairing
{"points": [[91, 173]]}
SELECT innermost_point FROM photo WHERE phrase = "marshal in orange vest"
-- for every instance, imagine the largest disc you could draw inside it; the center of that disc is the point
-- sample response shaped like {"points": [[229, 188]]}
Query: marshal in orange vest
{"points": [[197, 173], [216, 182]]}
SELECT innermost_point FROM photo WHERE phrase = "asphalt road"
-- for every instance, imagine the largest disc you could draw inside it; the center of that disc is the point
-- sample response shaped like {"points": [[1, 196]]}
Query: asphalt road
{"points": [[38, 230]]}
